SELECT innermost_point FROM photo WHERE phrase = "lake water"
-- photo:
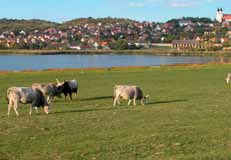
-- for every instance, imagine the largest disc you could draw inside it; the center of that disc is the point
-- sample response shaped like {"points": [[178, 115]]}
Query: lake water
{"points": [[40, 62]]}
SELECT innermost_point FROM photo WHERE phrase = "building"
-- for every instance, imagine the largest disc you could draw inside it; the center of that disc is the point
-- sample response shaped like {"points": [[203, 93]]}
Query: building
{"points": [[221, 17], [183, 22], [185, 44]]}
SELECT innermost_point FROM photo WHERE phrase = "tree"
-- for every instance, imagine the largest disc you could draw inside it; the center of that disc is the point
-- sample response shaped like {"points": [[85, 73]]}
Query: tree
{"points": [[119, 45]]}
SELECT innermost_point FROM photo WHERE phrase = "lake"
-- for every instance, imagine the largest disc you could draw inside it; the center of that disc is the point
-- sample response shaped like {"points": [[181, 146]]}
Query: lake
{"points": [[41, 62]]}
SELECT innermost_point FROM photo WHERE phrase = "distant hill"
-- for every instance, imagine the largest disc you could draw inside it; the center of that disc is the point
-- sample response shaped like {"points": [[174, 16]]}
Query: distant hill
{"points": [[17, 25], [26, 25], [193, 19], [95, 21]]}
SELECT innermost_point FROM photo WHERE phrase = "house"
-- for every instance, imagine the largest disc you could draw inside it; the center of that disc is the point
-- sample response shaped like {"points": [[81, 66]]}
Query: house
{"points": [[227, 17], [183, 22], [185, 44], [223, 40], [188, 29], [75, 47]]}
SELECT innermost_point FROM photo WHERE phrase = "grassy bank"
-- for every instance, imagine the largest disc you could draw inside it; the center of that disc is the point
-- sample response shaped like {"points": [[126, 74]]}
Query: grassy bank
{"points": [[152, 51], [187, 117]]}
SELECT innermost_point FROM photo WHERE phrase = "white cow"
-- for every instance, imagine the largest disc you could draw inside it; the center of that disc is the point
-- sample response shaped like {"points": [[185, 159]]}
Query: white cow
{"points": [[26, 95], [129, 93]]}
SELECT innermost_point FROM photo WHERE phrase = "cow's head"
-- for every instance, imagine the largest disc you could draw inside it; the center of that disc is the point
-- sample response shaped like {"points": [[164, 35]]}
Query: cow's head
{"points": [[60, 87], [147, 96], [63, 86], [144, 99]]}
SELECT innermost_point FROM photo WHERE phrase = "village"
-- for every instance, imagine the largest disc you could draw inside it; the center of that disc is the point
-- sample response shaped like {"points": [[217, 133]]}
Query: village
{"points": [[183, 33]]}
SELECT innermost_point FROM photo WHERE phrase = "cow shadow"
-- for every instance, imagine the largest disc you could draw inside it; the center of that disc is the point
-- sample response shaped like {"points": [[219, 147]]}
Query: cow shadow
{"points": [[84, 110], [96, 98], [163, 102]]}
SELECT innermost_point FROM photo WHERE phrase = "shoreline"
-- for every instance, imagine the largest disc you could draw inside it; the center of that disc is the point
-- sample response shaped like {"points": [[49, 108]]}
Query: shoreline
{"points": [[152, 51], [121, 68]]}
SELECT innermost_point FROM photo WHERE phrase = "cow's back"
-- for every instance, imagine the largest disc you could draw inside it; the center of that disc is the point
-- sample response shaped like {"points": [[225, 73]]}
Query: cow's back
{"points": [[73, 85], [125, 91], [39, 86], [45, 88], [22, 94]]}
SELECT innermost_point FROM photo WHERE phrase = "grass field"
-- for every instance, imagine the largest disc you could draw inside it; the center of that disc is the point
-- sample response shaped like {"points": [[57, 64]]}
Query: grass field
{"points": [[188, 116]]}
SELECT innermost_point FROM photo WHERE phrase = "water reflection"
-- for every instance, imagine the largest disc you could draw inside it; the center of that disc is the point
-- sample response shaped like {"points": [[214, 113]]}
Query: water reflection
{"points": [[223, 59]]}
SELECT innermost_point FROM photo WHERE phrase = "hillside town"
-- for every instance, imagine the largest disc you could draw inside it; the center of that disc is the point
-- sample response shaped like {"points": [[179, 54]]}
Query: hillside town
{"points": [[183, 33]]}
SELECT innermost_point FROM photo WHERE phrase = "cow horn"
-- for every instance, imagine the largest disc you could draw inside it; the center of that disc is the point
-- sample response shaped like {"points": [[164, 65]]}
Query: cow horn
{"points": [[57, 81]]}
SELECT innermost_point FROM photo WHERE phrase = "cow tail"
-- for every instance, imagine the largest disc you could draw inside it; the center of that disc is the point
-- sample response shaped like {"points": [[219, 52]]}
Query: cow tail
{"points": [[114, 94], [7, 95]]}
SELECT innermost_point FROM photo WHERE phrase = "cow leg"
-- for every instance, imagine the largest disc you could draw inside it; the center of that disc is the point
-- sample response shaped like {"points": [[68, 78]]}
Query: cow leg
{"points": [[49, 99], [9, 107], [114, 103], [134, 101], [65, 96], [142, 102], [118, 101], [30, 110], [129, 101], [76, 95], [46, 109], [36, 109], [15, 108], [70, 95]]}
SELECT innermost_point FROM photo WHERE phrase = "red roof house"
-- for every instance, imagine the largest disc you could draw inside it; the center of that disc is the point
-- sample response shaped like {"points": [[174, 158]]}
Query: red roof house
{"points": [[227, 17]]}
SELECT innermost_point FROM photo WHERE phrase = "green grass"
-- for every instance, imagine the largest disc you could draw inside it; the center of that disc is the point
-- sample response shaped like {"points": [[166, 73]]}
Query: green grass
{"points": [[188, 117]]}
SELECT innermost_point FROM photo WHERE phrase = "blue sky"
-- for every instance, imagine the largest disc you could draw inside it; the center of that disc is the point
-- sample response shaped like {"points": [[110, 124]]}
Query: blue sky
{"points": [[149, 10]]}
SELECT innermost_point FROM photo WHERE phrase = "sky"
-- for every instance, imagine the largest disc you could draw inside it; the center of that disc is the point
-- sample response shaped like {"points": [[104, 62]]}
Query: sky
{"points": [[141, 10]]}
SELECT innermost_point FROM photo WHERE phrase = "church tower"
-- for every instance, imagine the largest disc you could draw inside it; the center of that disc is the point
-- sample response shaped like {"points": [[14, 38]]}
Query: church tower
{"points": [[219, 16]]}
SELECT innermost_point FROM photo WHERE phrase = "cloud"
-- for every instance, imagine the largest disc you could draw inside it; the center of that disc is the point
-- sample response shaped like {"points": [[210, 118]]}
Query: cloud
{"points": [[182, 3], [143, 3], [136, 4], [170, 3]]}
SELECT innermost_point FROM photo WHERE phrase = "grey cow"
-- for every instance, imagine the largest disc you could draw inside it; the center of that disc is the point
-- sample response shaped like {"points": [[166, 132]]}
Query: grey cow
{"points": [[50, 90], [26, 95], [128, 92]]}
